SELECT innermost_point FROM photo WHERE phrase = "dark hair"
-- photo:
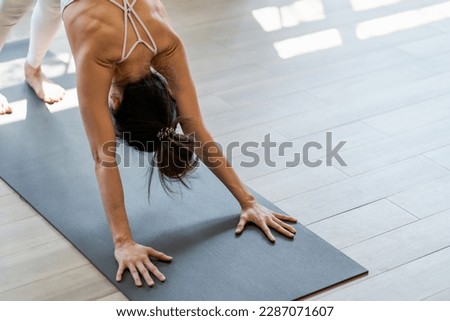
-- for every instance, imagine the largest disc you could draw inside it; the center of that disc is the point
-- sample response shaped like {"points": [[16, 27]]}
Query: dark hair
{"points": [[147, 108]]}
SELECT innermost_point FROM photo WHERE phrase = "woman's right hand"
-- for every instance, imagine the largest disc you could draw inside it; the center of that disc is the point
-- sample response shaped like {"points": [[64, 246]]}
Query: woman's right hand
{"points": [[135, 258]]}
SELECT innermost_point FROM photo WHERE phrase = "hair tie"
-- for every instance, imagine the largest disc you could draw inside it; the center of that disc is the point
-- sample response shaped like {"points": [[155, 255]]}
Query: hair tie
{"points": [[165, 132]]}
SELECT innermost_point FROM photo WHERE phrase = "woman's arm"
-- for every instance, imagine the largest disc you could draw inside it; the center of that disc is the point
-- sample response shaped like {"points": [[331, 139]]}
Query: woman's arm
{"points": [[94, 78], [172, 63]]}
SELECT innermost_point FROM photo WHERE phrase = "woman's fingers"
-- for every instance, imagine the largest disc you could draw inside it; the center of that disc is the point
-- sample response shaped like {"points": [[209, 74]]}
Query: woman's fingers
{"points": [[135, 258], [135, 275], [154, 270], [241, 225], [143, 268], [286, 226], [280, 229], [159, 255], [285, 217], [263, 226], [144, 272], [275, 223], [120, 271], [265, 220]]}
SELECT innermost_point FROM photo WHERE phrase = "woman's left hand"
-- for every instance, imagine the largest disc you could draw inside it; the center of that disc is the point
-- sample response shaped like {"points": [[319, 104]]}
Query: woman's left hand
{"points": [[266, 219]]}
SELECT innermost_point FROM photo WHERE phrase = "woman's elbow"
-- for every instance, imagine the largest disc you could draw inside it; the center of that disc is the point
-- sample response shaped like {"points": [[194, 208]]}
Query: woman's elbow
{"points": [[105, 156]]}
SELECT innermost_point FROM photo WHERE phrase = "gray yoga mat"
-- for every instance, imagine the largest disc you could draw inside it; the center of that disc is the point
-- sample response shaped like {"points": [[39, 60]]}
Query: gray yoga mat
{"points": [[46, 159]]}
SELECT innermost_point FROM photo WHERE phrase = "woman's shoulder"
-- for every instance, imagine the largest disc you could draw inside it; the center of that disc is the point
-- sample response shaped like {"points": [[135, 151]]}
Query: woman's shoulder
{"points": [[93, 27]]}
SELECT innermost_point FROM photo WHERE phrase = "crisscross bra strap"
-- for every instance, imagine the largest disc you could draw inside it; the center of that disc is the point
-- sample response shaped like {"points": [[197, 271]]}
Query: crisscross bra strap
{"points": [[131, 17]]}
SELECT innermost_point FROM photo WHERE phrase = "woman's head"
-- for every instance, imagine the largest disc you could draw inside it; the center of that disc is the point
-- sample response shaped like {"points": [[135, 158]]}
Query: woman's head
{"points": [[146, 120]]}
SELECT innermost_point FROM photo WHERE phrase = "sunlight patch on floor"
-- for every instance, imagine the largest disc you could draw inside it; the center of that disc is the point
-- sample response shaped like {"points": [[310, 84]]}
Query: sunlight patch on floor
{"points": [[402, 21], [275, 18], [70, 101], [12, 73], [363, 5], [308, 43], [19, 112]]}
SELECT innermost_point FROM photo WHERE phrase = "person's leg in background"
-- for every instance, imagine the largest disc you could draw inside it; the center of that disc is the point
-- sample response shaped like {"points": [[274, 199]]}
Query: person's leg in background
{"points": [[10, 12], [45, 22], [44, 26]]}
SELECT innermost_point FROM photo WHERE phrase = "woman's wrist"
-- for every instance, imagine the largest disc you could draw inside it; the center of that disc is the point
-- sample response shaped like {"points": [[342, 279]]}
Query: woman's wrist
{"points": [[247, 200], [121, 240]]}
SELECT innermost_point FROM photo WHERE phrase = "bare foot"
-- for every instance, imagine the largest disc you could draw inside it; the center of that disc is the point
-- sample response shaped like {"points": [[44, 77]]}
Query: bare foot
{"points": [[4, 106], [45, 89]]}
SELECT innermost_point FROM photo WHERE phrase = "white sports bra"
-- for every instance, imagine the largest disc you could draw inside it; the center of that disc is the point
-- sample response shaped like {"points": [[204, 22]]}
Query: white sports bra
{"points": [[130, 17], [65, 3]]}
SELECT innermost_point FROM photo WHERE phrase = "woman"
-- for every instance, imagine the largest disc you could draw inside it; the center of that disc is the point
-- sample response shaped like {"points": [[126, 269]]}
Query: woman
{"points": [[129, 59], [45, 22]]}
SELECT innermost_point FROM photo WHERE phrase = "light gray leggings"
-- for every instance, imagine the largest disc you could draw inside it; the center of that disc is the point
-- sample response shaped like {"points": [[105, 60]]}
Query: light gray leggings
{"points": [[45, 21]]}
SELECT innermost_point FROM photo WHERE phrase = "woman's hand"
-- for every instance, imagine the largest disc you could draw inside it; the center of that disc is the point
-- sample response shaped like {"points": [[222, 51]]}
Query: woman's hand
{"points": [[135, 258], [266, 219]]}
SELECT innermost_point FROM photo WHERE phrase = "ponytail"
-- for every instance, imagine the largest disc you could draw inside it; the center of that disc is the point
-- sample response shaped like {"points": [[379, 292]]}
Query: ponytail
{"points": [[146, 120]]}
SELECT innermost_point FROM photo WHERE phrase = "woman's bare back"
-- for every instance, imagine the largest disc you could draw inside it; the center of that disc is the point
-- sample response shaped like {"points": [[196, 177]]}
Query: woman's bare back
{"points": [[100, 28]]}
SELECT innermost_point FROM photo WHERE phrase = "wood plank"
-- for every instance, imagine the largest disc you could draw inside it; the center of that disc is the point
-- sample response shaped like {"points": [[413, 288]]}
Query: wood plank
{"points": [[265, 54], [440, 155], [411, 117], [332, 5], [228, 59], [255, 133], [442, 25], [36, 263], [425, 199], [411, 5], [81, 283], [362, 223], [260, 91], [362, 189], [234, 143], [440, 296], [289, 182], [238, 156], [202, 48], [413, 281], [403, 245], [372, 103], [11, 198], [387, 77], [199, 13], [352, 48], [210, 83], [354, 134], [428, 47], [244, 22], [351, 83], [385, 151], [13, 208], [341, 69], [211, 105], [199, 32], [341, 19], [21, 235], [253, 113], [5, 189]]}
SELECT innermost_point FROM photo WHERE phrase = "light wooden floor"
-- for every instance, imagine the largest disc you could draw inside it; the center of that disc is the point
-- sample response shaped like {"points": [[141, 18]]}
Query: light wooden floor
{"points": [[375, 73]]}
